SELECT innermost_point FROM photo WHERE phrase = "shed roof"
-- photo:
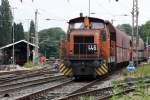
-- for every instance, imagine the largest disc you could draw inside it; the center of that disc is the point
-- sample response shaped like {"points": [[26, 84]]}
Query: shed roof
{"points": [[9, 45]]}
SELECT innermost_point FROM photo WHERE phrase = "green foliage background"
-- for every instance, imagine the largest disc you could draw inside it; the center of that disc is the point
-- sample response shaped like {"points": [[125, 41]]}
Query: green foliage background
{"points": [[49, 41], [18, 32], [144, 30], [127, 28], [6, 27], [31, 31], [5, 23]]}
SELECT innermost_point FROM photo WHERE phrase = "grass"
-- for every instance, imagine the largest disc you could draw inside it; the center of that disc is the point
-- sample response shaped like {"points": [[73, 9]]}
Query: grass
{"points": [[141, 92], [28, 64], [142, 70], [86, 98]]}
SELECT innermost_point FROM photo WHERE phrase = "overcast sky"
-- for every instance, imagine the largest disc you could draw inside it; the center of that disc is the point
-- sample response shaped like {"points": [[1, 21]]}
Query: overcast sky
{"points": [[62, 10]]}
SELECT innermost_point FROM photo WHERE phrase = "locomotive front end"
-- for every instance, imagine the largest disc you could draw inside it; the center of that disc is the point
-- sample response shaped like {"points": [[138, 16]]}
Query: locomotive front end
{"points": [[84, 48]]}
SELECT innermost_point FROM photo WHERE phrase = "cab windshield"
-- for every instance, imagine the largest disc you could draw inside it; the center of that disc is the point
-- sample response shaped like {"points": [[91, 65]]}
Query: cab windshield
{"points": [[93, 25], [97, 25], [79, 25]]}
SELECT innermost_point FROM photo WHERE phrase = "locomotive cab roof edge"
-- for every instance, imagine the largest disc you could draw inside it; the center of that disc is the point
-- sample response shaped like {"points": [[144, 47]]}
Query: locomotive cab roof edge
{"points": [[80, 19]]}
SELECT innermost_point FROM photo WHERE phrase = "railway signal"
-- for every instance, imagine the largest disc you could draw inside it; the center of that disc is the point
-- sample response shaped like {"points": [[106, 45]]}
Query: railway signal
{"points": [[130, 67]]}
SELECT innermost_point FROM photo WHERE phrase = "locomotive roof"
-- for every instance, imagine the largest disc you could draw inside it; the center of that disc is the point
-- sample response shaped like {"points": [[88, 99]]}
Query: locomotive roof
{"points": [[80, 19]]}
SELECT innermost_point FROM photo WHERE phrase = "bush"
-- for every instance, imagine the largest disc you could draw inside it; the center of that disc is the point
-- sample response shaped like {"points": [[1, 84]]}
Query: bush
{"points": [[28, 64]]}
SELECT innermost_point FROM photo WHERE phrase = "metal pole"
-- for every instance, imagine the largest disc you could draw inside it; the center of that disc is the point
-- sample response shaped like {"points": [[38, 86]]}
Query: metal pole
{"points": [[28, 39], [36, 35], [137, 32], [132, 37], [89, 7], [13, 58], [135, 36]]}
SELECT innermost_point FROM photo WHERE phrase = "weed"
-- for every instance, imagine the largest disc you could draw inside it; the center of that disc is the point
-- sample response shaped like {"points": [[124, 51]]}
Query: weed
{"points": [[28, 64], [86, 98]]}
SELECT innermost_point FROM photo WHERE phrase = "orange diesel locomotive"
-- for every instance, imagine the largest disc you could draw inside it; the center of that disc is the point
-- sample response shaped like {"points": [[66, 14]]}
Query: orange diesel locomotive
{"points": [[93, 47]]}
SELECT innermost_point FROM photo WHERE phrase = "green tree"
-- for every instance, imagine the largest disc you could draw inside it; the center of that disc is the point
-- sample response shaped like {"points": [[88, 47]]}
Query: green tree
{"points": [[1, 37], [127, 28], [144, 31], [147, 30], [18, 32], [141, 33], [6, 23], [31, 31], [49, 41]]}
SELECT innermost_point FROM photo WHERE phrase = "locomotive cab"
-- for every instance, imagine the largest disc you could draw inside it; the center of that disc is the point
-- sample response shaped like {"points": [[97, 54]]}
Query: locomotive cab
{"points": [[85, 34]]}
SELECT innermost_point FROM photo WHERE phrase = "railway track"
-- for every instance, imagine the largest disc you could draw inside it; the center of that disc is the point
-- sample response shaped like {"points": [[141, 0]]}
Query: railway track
{"points": [[26, 93], [19, 80], [66, 88], [53, 92], [9, 89], [105, 93], [62, 89], [17, 75]]}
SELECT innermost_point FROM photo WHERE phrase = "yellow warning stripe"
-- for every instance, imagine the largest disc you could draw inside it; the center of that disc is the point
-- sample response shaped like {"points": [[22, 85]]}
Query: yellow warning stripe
{"points": [[67, 73], [61, 66], [106, 67], [61, 70], [98, 72], [65, 70], [103, 68], [70, 72]]}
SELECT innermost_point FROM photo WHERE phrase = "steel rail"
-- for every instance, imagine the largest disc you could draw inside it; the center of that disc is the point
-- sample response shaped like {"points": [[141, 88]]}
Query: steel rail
{"points": [[45, 92], [13, 87], [32, 96], [103, 93], [26, 75]]}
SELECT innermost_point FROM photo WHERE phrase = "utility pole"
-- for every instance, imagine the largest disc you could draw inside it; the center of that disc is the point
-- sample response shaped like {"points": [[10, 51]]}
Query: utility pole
{"points": [[28, 40], [13, 51], [89, 7], [36, 37], [135, 35]]}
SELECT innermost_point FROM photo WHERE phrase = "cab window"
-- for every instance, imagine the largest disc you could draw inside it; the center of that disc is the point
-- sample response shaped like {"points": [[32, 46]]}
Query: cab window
{"points": [[97, 25], [79, 25]]}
